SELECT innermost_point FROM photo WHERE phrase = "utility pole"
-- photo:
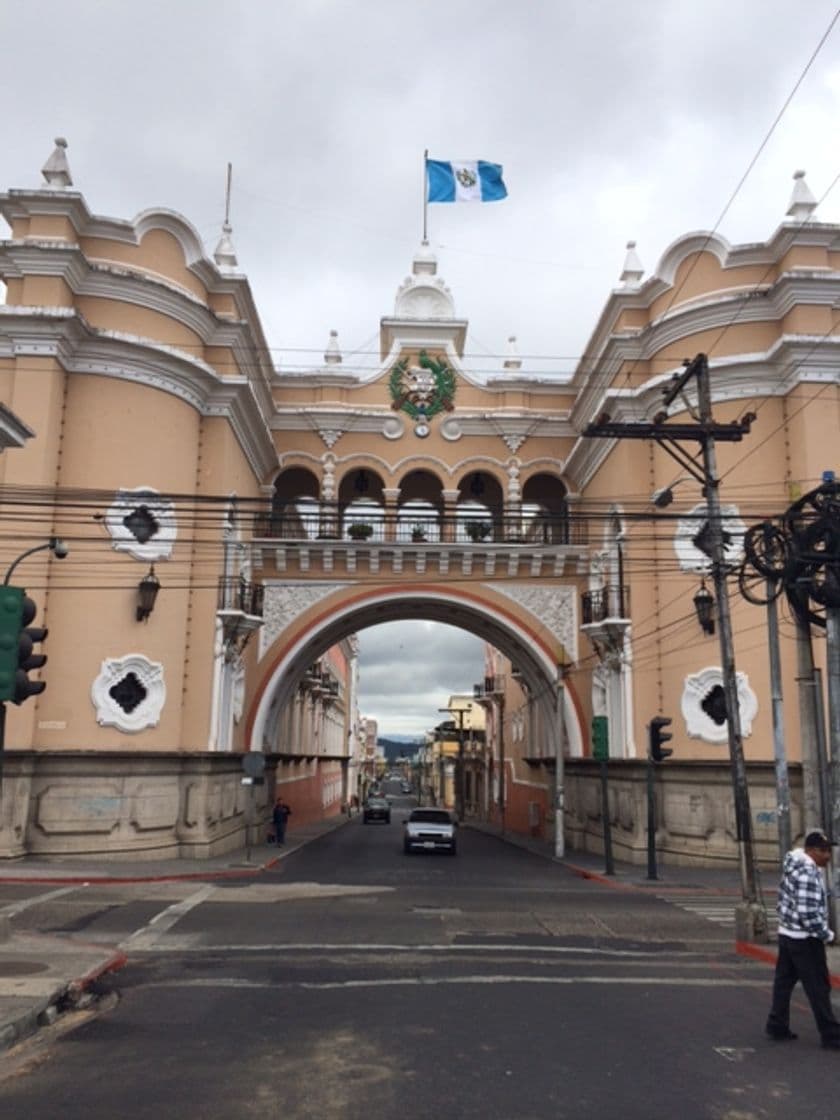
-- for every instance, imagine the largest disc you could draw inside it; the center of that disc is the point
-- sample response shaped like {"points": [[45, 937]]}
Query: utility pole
{"points": [[782, 784], [750, 919]]}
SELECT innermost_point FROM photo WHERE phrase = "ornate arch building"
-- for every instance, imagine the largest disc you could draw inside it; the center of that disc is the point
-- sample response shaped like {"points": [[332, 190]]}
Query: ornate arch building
{"points": [[143, 423]]}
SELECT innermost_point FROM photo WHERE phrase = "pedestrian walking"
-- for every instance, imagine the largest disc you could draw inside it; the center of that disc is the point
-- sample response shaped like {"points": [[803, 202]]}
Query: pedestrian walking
{"points": [[803, 936], [280, 816]]}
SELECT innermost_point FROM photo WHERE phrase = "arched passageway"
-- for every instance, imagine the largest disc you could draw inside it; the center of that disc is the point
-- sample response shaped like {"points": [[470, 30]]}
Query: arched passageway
{"points": [[537, 659]]}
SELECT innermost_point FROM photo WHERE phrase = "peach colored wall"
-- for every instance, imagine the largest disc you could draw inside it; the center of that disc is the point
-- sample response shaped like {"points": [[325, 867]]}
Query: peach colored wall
{"points": [[122, 436]]}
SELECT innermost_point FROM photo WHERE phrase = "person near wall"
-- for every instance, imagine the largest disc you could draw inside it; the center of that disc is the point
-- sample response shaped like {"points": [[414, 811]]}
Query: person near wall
{"points": [[280, 816], [803, 935]]}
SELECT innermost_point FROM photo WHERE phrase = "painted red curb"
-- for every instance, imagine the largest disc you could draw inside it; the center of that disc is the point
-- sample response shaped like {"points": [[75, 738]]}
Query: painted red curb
{"points": [[596, 877], [768, 956], [748, 949], [115, 962]]}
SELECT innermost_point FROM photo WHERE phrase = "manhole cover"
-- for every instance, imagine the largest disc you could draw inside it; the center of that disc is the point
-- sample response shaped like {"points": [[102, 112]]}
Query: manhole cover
{"points": [[21, 968]]}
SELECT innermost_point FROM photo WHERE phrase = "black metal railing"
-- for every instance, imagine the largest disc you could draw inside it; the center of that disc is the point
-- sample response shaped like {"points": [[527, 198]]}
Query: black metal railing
{"points": [[491, 686], [601, 603], [237, 594], [373, 527]]}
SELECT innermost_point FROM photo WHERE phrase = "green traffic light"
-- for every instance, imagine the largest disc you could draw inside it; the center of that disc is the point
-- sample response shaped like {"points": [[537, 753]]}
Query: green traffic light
{"points": [[11, 623]]}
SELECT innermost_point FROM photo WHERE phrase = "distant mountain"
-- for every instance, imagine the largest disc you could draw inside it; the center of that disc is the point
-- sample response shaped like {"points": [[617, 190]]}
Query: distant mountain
{"points": [[399, 746]]}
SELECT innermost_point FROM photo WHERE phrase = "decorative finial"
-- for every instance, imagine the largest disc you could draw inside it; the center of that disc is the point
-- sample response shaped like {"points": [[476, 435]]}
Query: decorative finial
{"points": [[332, 354], [225, 254], [425, 261], [512, 359], [633, 270], [56, 170], [802, 202]]}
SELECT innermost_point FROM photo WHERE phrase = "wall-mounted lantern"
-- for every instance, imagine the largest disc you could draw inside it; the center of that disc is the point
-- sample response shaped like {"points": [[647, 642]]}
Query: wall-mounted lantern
{"points": [[147, 591], [704, 605]]}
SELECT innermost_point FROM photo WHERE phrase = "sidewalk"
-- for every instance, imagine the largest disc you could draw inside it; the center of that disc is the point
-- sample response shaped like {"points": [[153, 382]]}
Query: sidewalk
{"points": [[43, 975]]}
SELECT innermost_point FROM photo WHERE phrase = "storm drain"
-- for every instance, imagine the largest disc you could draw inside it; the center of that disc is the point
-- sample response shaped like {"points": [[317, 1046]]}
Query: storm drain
{"points": [[22, 968]]}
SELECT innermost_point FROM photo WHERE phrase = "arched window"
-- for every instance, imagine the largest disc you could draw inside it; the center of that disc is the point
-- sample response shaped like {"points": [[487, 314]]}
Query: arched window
{"points": [[295, 505], [545, 511], [480, 507], [421, 507], [361, 503]]}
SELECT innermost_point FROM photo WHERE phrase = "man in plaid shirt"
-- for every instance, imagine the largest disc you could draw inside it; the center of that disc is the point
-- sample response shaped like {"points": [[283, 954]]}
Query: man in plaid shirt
{"points": [[803, 935]]}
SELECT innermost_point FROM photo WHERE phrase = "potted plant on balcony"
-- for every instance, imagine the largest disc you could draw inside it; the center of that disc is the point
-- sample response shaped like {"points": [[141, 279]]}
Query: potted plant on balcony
{"points": [[418, 533], [359, 530], [478, 530]]}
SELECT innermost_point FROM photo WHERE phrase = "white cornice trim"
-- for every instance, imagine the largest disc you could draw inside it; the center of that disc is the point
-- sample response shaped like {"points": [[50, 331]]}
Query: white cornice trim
{"points": [[80, 348], [787, 236], [745, 377], [17, 204]]}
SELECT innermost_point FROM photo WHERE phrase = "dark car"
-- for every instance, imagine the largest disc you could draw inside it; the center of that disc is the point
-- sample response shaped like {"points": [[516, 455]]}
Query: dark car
{"points": [[376, 809]]}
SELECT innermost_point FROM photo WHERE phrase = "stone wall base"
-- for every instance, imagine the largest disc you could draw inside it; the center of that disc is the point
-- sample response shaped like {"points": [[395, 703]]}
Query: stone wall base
{"points": [[694, 811], [178, 805], [152, 805]]}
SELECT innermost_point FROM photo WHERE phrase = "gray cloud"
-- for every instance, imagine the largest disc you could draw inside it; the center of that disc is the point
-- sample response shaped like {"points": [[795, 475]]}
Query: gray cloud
{"points": [[408, 670]]}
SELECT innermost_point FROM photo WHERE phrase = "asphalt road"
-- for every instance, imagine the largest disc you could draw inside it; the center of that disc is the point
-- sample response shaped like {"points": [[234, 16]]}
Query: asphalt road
{"points": [[355, 981]]}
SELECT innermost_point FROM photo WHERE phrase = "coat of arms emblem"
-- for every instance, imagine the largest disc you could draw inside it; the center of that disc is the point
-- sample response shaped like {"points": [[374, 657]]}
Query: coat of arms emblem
{"points": [[422, 390], [466, 177]]}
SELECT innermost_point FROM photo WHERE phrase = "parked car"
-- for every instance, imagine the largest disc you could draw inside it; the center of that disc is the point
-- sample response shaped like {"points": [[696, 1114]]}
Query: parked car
{"points": [[405, 787], [430, 830], [376, 809]]}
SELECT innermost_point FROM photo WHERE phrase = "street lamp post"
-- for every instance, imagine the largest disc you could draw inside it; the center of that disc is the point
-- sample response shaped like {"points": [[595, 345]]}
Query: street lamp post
{"points": [[54, 544]]}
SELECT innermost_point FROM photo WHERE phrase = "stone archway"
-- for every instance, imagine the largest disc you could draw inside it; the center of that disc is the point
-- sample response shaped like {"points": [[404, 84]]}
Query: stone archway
{"points": [[304, 620]]}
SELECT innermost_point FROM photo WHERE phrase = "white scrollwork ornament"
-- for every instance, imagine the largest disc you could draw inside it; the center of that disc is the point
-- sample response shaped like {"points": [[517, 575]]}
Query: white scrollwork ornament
{"points": [[142, 523], [129, 693]]}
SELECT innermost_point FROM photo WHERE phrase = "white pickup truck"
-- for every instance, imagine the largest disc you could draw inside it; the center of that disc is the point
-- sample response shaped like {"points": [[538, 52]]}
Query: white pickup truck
{"points": [[430, 830]]}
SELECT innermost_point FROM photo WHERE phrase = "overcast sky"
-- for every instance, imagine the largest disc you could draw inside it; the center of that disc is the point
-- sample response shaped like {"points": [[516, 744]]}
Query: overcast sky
{"points": [[613, 121]]}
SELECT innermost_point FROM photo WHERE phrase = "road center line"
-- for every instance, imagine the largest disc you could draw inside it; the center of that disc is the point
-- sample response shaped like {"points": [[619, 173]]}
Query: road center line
{"points": [[420, 982], [18, 907], [368, 948], [146, 937]]}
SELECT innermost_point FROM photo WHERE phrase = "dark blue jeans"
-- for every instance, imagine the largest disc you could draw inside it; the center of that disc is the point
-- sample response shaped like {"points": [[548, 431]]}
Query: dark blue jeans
{"points": [[802, 960]]}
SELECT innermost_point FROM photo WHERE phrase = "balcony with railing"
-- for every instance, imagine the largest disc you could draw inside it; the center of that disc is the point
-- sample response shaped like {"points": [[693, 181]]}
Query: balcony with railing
{"points": [[489, 687], [236, 594], [328, 537], [602, 603], [239, 608], [605, 614], [321, 683], [331, 522]]}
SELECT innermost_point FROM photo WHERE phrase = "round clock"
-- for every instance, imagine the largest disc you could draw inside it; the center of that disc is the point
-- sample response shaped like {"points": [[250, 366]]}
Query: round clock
{"points": [[421, 429]]}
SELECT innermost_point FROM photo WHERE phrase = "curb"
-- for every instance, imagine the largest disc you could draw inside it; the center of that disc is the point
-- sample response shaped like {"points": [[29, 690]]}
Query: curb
{"points": [[67, 995], [768, 956]]}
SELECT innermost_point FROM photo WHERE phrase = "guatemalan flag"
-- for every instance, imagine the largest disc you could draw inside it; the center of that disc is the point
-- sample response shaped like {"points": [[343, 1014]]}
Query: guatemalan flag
{"points": [[464, 181]]}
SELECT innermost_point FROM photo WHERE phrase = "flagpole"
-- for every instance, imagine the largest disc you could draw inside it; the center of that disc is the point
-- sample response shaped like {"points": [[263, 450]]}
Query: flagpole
{"points": [[425, 196]]}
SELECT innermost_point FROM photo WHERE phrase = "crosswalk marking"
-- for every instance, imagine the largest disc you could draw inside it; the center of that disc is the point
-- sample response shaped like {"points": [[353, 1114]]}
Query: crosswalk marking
{"points": [[721, 911]]}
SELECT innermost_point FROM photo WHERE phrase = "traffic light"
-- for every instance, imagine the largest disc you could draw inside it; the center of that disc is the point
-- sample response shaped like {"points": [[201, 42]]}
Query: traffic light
{"points": [[27, 659], [11, 623], [658, 736]]}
